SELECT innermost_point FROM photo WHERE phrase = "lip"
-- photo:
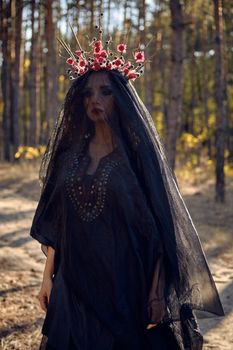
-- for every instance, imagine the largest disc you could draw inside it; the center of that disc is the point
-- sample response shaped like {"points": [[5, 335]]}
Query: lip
{"points": [[96, 110]]}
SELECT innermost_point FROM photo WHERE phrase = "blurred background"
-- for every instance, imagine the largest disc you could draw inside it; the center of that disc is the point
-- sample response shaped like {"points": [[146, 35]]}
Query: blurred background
{"points": [[187, 85], [188, 88]]}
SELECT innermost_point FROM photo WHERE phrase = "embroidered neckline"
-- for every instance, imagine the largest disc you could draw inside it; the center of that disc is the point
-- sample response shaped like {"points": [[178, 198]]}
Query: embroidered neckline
{"points": [[89, 199], [88, 157]]}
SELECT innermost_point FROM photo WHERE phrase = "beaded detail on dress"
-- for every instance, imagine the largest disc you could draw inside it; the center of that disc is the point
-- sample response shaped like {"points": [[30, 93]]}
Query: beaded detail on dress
{"points": [[88, 192]]}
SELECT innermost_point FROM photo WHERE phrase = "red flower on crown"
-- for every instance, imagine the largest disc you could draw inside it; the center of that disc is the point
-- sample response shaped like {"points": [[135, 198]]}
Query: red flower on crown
{"points": [[103, 54], [118, 62], [82, 63], [78, 53], [96, 65], [128, 64], [132, 75], [98, 43], [70, 60], [122, 48], [139, 56], [97, 50], [109, 66]]}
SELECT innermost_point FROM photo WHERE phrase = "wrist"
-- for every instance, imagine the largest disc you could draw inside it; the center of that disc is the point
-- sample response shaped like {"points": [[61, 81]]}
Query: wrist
{"points": [[47, 278]]}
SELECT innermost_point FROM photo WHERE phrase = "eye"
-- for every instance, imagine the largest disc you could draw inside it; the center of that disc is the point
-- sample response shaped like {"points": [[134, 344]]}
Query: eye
{"points": [[86, 93], [107, 92]]}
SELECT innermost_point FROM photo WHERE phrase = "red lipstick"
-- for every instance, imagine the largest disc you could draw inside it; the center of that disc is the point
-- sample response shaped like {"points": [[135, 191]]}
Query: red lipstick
{"points": [[96, 110]]}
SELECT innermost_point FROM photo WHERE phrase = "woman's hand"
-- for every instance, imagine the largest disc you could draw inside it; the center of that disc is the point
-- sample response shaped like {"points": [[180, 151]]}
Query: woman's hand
{"points": [[151, 325], [44, 293]]}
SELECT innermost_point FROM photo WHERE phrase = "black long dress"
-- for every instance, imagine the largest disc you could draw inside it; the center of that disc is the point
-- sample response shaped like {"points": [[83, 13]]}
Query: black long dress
{"points": [[107, 260]]}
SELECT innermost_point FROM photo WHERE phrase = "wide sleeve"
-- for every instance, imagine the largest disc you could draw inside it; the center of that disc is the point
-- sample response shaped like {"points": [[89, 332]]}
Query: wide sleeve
{"points": [[45, 222], [156, 301]]}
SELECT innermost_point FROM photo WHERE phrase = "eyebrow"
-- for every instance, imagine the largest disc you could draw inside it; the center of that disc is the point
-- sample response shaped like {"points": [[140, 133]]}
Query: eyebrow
{"points": [[102, 87]]}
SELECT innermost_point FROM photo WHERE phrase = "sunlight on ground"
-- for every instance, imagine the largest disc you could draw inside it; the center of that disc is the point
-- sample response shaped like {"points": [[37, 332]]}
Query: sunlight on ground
{"points": [[21, 259]]}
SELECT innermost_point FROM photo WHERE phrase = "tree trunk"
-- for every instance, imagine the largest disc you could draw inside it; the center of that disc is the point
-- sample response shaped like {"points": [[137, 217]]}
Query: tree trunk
{"points": [[42, 135], [220, 98], [5, 81], [204, 85], [50, 69], [193, 84], [228, 29], [108, 16], [145, 85], [33, 80], [17, 7], [92, 6], [174, 109], [125, 27]]}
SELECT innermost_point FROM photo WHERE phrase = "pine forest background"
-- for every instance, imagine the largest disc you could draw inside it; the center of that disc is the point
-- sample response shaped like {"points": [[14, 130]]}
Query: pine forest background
{"points": [[187, 85]]}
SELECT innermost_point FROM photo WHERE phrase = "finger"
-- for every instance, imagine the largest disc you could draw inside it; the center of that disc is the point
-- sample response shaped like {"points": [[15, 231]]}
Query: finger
{"points": [[43, 303], [48, 297], [151, 325], [43, 306]]}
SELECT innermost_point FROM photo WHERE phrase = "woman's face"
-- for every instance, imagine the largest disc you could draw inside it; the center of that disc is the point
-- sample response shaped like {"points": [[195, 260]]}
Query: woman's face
{"points": [[98, 98]]}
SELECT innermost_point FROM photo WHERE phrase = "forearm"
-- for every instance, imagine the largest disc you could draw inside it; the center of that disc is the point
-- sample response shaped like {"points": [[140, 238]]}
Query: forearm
{"points": [[156, 300], [49, 265]]}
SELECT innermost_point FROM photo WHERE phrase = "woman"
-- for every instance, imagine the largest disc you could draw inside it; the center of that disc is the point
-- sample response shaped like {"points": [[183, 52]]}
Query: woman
{"points": [[124, 267]]}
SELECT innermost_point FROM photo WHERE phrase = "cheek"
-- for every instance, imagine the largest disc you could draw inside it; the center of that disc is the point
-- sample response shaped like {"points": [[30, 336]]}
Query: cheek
{"points": [[110, 104], [86, 103]]}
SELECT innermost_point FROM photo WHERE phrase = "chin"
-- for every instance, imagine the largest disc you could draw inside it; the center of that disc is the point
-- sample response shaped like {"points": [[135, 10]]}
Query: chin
{"points": [[96, 118]]}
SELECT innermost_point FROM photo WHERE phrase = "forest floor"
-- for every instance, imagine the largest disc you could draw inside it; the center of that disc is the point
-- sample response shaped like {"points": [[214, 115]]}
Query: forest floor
{"points": [[21, 260]]}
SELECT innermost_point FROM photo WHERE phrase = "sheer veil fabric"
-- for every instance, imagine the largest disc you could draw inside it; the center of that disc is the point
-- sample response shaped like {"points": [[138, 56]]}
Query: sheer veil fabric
{"points": [[188, 282]]}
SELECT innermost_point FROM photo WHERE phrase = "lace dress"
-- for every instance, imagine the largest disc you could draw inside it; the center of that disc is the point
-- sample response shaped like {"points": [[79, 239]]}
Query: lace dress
{"points": [[109, 278]]}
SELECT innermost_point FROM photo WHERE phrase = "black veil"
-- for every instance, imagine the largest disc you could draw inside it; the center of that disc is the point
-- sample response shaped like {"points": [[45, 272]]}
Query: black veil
{"points": [[189, 279]]}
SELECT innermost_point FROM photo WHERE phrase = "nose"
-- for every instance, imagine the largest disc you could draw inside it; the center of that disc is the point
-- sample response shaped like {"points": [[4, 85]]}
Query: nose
{"points": [[95, 97]]}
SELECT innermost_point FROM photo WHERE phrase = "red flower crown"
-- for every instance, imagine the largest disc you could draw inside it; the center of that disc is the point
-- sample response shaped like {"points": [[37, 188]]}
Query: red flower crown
{"points": [[101, 57]]}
